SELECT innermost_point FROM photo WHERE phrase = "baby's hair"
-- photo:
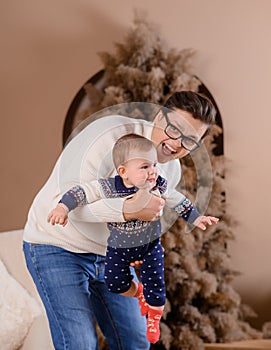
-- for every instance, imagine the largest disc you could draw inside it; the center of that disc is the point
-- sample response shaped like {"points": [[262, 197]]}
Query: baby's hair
{"points": [[127, 143]]}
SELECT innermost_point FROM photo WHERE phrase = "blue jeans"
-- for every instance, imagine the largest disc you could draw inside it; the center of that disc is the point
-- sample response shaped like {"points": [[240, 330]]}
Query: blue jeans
{"points": [[74, 294]]}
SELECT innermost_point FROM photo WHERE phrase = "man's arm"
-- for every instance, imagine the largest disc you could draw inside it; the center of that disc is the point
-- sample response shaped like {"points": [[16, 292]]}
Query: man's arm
{"points": [[142, 206], [103, 210]]}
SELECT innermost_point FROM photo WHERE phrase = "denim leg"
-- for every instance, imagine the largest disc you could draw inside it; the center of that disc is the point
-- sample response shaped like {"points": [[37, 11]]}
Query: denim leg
{"points": [[119, 319], [72, 289], [63, 288]]}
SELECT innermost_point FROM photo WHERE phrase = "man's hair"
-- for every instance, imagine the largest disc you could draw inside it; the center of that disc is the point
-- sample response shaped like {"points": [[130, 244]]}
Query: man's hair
{"points": [[197, 104], [127, 143]]}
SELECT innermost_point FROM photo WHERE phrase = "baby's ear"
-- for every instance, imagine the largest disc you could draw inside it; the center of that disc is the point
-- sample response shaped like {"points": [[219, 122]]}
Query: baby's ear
{"points": [[121, 171]]}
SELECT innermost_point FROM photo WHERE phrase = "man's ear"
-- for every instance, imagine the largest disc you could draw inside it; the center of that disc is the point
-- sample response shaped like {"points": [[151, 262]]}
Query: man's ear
{"points": [[121, 171]]}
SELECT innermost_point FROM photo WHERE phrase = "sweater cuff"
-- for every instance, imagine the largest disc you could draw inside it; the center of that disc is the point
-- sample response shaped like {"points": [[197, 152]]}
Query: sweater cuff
{"points": [[74, 198], [187, 211]]}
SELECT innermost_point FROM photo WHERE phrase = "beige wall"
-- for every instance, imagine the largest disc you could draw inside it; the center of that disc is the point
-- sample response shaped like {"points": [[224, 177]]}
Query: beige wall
{"points": [[49, 48]]}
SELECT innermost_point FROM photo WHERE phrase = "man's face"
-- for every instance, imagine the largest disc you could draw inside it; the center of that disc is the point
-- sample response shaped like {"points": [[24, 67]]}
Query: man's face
{"points": [[168, 148]]}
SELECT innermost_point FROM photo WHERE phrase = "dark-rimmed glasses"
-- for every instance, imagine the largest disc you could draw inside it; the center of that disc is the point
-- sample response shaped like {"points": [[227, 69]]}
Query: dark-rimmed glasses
{"points": [[174, 133]]}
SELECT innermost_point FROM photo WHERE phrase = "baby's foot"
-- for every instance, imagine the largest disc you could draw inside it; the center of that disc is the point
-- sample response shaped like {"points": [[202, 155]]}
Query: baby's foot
{"points": [[144, 307], [153, 330]]}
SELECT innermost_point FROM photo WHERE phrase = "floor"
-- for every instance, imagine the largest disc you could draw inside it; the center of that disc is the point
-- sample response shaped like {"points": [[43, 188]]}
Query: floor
{"points": [[256, 344]]}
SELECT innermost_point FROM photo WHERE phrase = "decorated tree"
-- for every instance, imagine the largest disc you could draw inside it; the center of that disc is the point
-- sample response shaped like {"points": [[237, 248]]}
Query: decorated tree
{"points": [[202, 306]]}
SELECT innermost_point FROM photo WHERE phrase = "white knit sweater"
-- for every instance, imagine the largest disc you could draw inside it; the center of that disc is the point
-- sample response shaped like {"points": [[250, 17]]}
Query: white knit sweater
{"points": [[87, 157]]}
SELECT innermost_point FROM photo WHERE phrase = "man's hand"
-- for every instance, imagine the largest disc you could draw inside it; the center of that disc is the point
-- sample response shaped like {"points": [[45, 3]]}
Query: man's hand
{"points": [[143, 206], [202, 221], [59, 215], [136, 263]]}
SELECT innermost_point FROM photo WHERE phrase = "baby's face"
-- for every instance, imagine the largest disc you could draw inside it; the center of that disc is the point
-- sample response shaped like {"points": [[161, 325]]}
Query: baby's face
{"points": [[141, 169]]}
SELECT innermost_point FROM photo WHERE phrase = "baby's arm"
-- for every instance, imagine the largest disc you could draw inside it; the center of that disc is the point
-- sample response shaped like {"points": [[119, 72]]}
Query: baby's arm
{"points": [[73, 198], [178, 202], [188, 211]]}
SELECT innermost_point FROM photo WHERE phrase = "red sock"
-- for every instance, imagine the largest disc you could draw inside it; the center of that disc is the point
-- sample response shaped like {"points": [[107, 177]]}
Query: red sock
{"points": [[144, 307], [153, 330]]}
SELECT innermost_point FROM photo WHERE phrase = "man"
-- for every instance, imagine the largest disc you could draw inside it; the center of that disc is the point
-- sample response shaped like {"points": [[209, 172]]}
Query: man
{"points": [[67, 264]]}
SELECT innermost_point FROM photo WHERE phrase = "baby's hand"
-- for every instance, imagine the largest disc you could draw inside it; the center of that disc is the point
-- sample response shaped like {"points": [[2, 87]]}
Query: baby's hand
{"points": [[59, 215], [202, 221]]}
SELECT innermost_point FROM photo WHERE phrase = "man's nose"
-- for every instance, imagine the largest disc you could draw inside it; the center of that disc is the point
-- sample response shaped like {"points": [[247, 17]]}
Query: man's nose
{"points": [[178, 143]]}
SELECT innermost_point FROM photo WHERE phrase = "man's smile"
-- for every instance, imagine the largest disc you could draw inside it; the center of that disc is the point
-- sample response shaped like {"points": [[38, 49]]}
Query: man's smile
{"points": [[167, 149]]}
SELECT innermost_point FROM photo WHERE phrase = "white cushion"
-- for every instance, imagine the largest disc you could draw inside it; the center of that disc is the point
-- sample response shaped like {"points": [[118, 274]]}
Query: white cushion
{"points": [[18, 309]]}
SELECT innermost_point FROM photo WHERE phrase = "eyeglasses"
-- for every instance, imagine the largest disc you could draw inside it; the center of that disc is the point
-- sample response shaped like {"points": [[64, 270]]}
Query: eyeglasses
{"points": [[174, 133]]}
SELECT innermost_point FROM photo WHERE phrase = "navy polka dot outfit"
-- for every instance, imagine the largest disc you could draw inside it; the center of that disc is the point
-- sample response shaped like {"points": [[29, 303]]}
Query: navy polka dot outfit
{"points": [[134, 240], [118, 276]]}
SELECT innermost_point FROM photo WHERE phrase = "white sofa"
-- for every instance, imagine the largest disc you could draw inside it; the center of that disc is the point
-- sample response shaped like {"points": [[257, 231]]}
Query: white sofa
{"points": [[36, 328]]}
